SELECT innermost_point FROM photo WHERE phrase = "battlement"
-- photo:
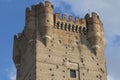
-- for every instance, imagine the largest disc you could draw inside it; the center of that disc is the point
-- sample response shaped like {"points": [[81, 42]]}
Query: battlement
{"points": [[94, 18], [70, 24], [38, 9]]}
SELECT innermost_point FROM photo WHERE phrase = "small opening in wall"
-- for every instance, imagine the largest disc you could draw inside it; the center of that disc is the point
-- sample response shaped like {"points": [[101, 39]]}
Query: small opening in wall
{"points": [[40, 69], [63, 70], [52, 74], [72, 73], [57, 66], [76, 37], [77, 43], [83, 74], [65, 58], [60, 41], [66, 53], [98, 64], [47, 20], [51, 41], [63, 76], [101, 70], [61, 25], [82, 60], [69, 27], [97, 76], [65, 26], [58, 24], [87, 70], [79, 28], [49, 56], [52, 44], [92, 58], [50, 69], [66, 47]]}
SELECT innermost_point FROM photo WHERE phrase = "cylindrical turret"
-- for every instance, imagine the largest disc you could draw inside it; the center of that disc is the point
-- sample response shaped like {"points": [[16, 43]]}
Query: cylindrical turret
{"points": [[39, 18], [95, 32], [95, 37], [45, 20]]}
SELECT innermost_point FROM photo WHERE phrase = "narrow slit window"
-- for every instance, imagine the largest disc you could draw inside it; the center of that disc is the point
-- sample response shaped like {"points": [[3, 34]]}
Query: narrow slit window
{"points": [[72, 73]]}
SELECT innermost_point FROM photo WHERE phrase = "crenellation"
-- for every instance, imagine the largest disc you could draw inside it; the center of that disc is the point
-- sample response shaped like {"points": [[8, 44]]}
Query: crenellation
{"points": [[63, 17], [77, 20], [69, 25], [94, 15], [56, 17], [70, 19], [48, 4]]}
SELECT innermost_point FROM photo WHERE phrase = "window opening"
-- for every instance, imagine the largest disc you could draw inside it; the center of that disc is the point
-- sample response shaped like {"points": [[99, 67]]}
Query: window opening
{"points": [[72, 73]]}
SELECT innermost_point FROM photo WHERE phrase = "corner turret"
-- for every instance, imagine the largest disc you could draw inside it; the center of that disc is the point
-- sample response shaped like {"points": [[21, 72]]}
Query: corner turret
{"points": [[40, 14], [46, 21], [95, 32]]}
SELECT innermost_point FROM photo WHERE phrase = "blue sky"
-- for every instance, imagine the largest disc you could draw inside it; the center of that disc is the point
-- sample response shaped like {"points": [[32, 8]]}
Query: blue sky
{"points": [[12, 20]]}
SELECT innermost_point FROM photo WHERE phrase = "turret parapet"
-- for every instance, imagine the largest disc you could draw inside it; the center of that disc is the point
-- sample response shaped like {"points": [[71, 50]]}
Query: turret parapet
{"points": [[48, 4], [87, 16], [38, 9], [92, 19], [95, 31], [94, 15], [69, 24], [70, 18]]}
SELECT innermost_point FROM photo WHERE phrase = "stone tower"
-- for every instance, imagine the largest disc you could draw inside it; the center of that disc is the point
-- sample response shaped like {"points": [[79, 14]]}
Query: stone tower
{"points": [[55, 48]]}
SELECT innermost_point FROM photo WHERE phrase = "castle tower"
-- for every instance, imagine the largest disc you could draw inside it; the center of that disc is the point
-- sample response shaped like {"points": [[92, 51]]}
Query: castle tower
{"points": [[56, 48]]}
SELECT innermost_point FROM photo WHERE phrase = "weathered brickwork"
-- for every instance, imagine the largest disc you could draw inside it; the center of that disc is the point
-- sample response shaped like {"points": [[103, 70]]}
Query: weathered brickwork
{"points": [[56, 48]]}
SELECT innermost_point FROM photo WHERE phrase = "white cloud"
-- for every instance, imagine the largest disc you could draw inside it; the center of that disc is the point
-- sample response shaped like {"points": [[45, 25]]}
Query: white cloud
{"points": [[11, 73], [12, 76], [110, 78]]}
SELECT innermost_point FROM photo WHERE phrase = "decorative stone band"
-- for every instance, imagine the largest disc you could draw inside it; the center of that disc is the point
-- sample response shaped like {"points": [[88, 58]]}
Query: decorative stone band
{"points": [[70, 27], [47, 36], [95, 46]]}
